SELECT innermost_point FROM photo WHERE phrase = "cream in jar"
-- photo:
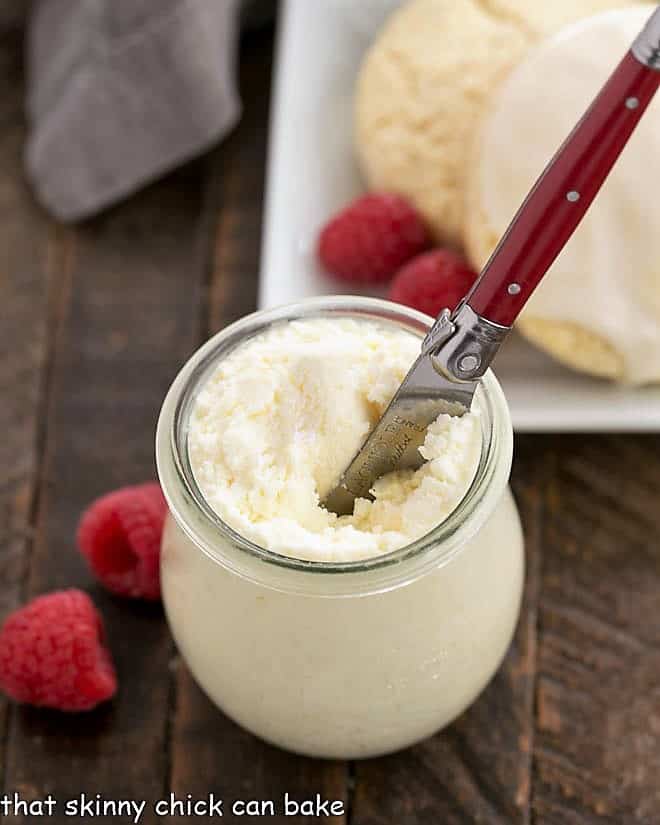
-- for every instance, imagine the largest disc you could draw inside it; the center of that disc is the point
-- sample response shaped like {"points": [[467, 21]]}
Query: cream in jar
{"points": [[333, 637], [279, 419]]}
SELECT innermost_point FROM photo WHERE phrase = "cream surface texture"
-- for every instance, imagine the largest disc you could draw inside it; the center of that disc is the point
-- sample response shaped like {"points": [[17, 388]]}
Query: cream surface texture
{"points": [[607, 279], [283, 414]]}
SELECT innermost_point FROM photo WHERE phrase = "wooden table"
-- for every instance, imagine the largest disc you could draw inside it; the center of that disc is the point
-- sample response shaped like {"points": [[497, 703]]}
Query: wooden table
{"points": [[96, 320]]}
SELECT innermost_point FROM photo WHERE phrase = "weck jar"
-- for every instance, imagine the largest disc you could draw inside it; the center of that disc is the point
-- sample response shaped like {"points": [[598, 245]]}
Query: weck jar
{"points": [[340, 659]]}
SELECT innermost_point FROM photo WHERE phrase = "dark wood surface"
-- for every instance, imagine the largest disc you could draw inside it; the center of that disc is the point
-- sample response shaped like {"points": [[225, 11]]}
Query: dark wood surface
{"points": [[96, 320]]}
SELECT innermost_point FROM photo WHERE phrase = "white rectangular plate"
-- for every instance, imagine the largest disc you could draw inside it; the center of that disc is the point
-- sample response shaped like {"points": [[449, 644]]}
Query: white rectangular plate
{"points": [[312, 172]]}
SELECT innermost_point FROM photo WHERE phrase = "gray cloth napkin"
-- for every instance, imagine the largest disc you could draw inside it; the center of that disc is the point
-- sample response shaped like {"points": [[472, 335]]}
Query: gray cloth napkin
{"points": [[121, 91]]}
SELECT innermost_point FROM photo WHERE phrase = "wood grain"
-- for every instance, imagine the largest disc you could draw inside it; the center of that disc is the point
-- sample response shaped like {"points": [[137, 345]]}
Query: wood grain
{"points": [[29, 262], [238, 183], [479, 769], [597, 755], [13, 16], [135, 292], [208, 750]]}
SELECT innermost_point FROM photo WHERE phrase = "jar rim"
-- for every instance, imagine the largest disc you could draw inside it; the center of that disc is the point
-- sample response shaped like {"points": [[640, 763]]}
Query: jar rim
{"points": [[174, 464]]}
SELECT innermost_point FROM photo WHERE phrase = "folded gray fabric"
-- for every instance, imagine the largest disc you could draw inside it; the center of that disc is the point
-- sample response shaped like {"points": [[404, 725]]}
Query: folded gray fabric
{"points": [[120, 91]]}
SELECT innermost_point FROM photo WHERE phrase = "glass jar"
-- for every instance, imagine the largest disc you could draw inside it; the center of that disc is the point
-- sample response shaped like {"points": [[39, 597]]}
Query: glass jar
{"points": [[340, 660]]}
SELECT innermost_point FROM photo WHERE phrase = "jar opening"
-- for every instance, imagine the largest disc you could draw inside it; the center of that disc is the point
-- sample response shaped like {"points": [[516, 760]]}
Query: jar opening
{"points": [[201, 523]]}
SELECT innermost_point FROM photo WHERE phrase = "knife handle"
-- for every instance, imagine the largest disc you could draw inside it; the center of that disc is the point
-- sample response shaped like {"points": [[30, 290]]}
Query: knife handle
{"points": [[570, 182]]}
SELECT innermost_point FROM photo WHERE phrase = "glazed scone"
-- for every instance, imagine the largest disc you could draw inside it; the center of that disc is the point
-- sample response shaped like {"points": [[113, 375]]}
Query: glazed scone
{"points": [[423, 85], [598, 308], [543, 18]]}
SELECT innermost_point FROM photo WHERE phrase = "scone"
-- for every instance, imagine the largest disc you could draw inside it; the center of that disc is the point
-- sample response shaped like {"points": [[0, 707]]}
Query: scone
{"points": [[598, 308], [422, 87]]}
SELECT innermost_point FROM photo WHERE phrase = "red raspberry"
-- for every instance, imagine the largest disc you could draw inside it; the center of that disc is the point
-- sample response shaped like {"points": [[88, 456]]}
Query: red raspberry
{"points": [[119, 535], [432, 281], [371, 238], [52, 653]]}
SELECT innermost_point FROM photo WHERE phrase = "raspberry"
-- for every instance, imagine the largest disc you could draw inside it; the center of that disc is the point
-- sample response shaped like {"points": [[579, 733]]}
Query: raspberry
{"points": [[432, 281], [371, 238], [119, 535], [52, 653]]}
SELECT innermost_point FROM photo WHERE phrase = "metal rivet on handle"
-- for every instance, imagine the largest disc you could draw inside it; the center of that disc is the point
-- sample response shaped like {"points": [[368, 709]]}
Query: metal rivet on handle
{"points": [[632, 103], [468, 363], [513, 289], [573, 196]]}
